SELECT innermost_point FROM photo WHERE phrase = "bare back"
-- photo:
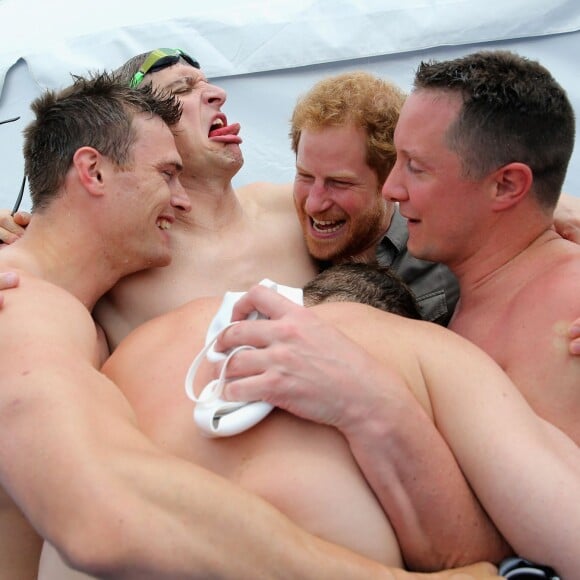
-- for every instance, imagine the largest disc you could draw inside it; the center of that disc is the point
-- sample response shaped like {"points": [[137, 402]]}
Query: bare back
{"points": [[264, 241], [303, 469], [521, 317], [472, 401]]}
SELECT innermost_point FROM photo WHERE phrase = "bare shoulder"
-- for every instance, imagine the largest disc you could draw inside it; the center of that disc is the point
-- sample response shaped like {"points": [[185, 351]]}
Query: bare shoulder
{"points": [[49, 356], [40, 319], [390, 336], [269, 196], [428, 356], [554, 289], [179, 328]]}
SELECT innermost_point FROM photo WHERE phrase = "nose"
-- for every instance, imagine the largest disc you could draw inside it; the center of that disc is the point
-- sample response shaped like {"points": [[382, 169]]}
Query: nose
{"points": [[215, 95], [179, 198], [317, 198], [393, 189]]}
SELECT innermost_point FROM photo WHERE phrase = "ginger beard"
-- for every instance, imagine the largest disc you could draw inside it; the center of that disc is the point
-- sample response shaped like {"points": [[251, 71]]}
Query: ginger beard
{"points": [[339, 238]]}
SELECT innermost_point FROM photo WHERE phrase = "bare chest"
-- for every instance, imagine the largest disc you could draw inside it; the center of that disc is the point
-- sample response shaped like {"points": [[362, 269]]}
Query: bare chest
{"points": [[205, 265]]}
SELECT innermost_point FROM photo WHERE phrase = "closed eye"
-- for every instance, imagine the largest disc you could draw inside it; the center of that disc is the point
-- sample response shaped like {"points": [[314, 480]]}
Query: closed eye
{"points": [[413, 167]]}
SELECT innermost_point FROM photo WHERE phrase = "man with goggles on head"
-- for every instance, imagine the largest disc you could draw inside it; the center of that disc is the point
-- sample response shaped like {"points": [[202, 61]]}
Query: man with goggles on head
{"points": [[231, 239]]}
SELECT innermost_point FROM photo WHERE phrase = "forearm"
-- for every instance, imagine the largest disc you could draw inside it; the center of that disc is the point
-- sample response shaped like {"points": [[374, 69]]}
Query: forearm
{"points": [[114, 506], [437, 519], [215, 530]]}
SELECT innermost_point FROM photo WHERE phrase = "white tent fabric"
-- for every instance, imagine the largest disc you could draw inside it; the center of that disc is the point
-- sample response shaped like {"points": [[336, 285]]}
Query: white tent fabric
{"points": [[265, 54]]}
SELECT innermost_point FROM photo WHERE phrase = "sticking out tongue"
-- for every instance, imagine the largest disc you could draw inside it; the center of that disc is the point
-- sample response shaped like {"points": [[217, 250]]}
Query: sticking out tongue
{"points": [[232, 129]]}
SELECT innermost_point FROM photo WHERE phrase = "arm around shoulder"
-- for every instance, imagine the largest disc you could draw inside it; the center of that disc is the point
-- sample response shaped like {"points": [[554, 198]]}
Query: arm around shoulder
{"points": [[110, 502], [12, 226], [567, 217]]}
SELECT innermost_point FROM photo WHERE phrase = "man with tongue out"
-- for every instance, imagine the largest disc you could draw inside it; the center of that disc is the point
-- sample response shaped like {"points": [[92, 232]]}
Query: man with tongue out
{"points": [[231, 239]]}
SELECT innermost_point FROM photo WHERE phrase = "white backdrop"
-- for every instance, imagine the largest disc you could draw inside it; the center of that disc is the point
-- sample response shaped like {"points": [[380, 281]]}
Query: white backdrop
{"points": [[265, 54]]}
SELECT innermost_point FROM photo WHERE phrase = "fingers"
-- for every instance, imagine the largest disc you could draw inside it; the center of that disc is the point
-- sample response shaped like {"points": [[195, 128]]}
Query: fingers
{"points": [[264, 300], [22, 218], [575, 338], [12, 227], [256, 333], [8, 280]]}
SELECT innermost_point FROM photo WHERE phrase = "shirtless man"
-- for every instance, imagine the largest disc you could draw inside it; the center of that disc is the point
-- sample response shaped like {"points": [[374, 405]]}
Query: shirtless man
{"points": [[518, 277], [304, 469], [72, 461], [232, 239], [241, 237], [489, 217]]}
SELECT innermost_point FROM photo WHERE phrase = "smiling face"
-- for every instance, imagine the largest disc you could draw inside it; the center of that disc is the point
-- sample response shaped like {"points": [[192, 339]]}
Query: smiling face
{"points": [[142, 212], [445, 210], [206, 143], [337, 195]]}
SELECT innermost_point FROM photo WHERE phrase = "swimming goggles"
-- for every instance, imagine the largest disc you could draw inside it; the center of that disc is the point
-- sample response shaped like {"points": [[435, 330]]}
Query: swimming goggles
{"points": [[159, 59]]}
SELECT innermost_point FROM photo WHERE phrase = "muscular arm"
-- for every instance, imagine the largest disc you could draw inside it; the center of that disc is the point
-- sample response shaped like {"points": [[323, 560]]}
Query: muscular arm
{"points": [[311, 370], [437, 518], [524, 470]]}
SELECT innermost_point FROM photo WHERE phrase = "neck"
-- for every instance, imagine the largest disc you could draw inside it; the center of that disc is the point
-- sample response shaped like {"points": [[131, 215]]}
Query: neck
{"points": [[369, 253], [480, 275], [214, 203], [68, 256]]}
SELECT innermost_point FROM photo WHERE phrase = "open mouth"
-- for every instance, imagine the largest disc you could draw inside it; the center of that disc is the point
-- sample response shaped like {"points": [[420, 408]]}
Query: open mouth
{"points": [[218, 124], [163, 223], [220, 131], [326, 226]]}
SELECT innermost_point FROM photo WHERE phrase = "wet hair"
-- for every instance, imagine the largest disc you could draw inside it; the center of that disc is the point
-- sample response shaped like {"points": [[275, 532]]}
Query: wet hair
{"points": [[370, 284], [95, 111], [359, 98], [513, 111]]}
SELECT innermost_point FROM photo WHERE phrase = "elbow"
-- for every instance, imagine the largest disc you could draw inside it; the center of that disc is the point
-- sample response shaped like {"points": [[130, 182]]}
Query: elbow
{"points": [[491, 548], [92, 543]]}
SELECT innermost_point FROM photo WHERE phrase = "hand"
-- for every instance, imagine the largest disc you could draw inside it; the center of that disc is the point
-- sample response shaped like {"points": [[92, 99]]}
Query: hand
{"points": [[567, 217], [12, 226], [301, 363], [7, 280], [575, 337]]}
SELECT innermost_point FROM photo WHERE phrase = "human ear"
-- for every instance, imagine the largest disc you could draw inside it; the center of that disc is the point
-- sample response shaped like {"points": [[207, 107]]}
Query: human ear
{"points": [[512, 183], [88, 163]]}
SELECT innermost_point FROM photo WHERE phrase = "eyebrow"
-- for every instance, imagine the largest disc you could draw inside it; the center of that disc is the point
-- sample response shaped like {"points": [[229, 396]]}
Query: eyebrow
{"points": [[339, 175], [186, 80], [177, 165]]}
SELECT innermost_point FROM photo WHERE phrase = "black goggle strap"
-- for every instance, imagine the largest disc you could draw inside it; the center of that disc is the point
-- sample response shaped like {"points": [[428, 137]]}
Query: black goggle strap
{"points": [[158, 59]]}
